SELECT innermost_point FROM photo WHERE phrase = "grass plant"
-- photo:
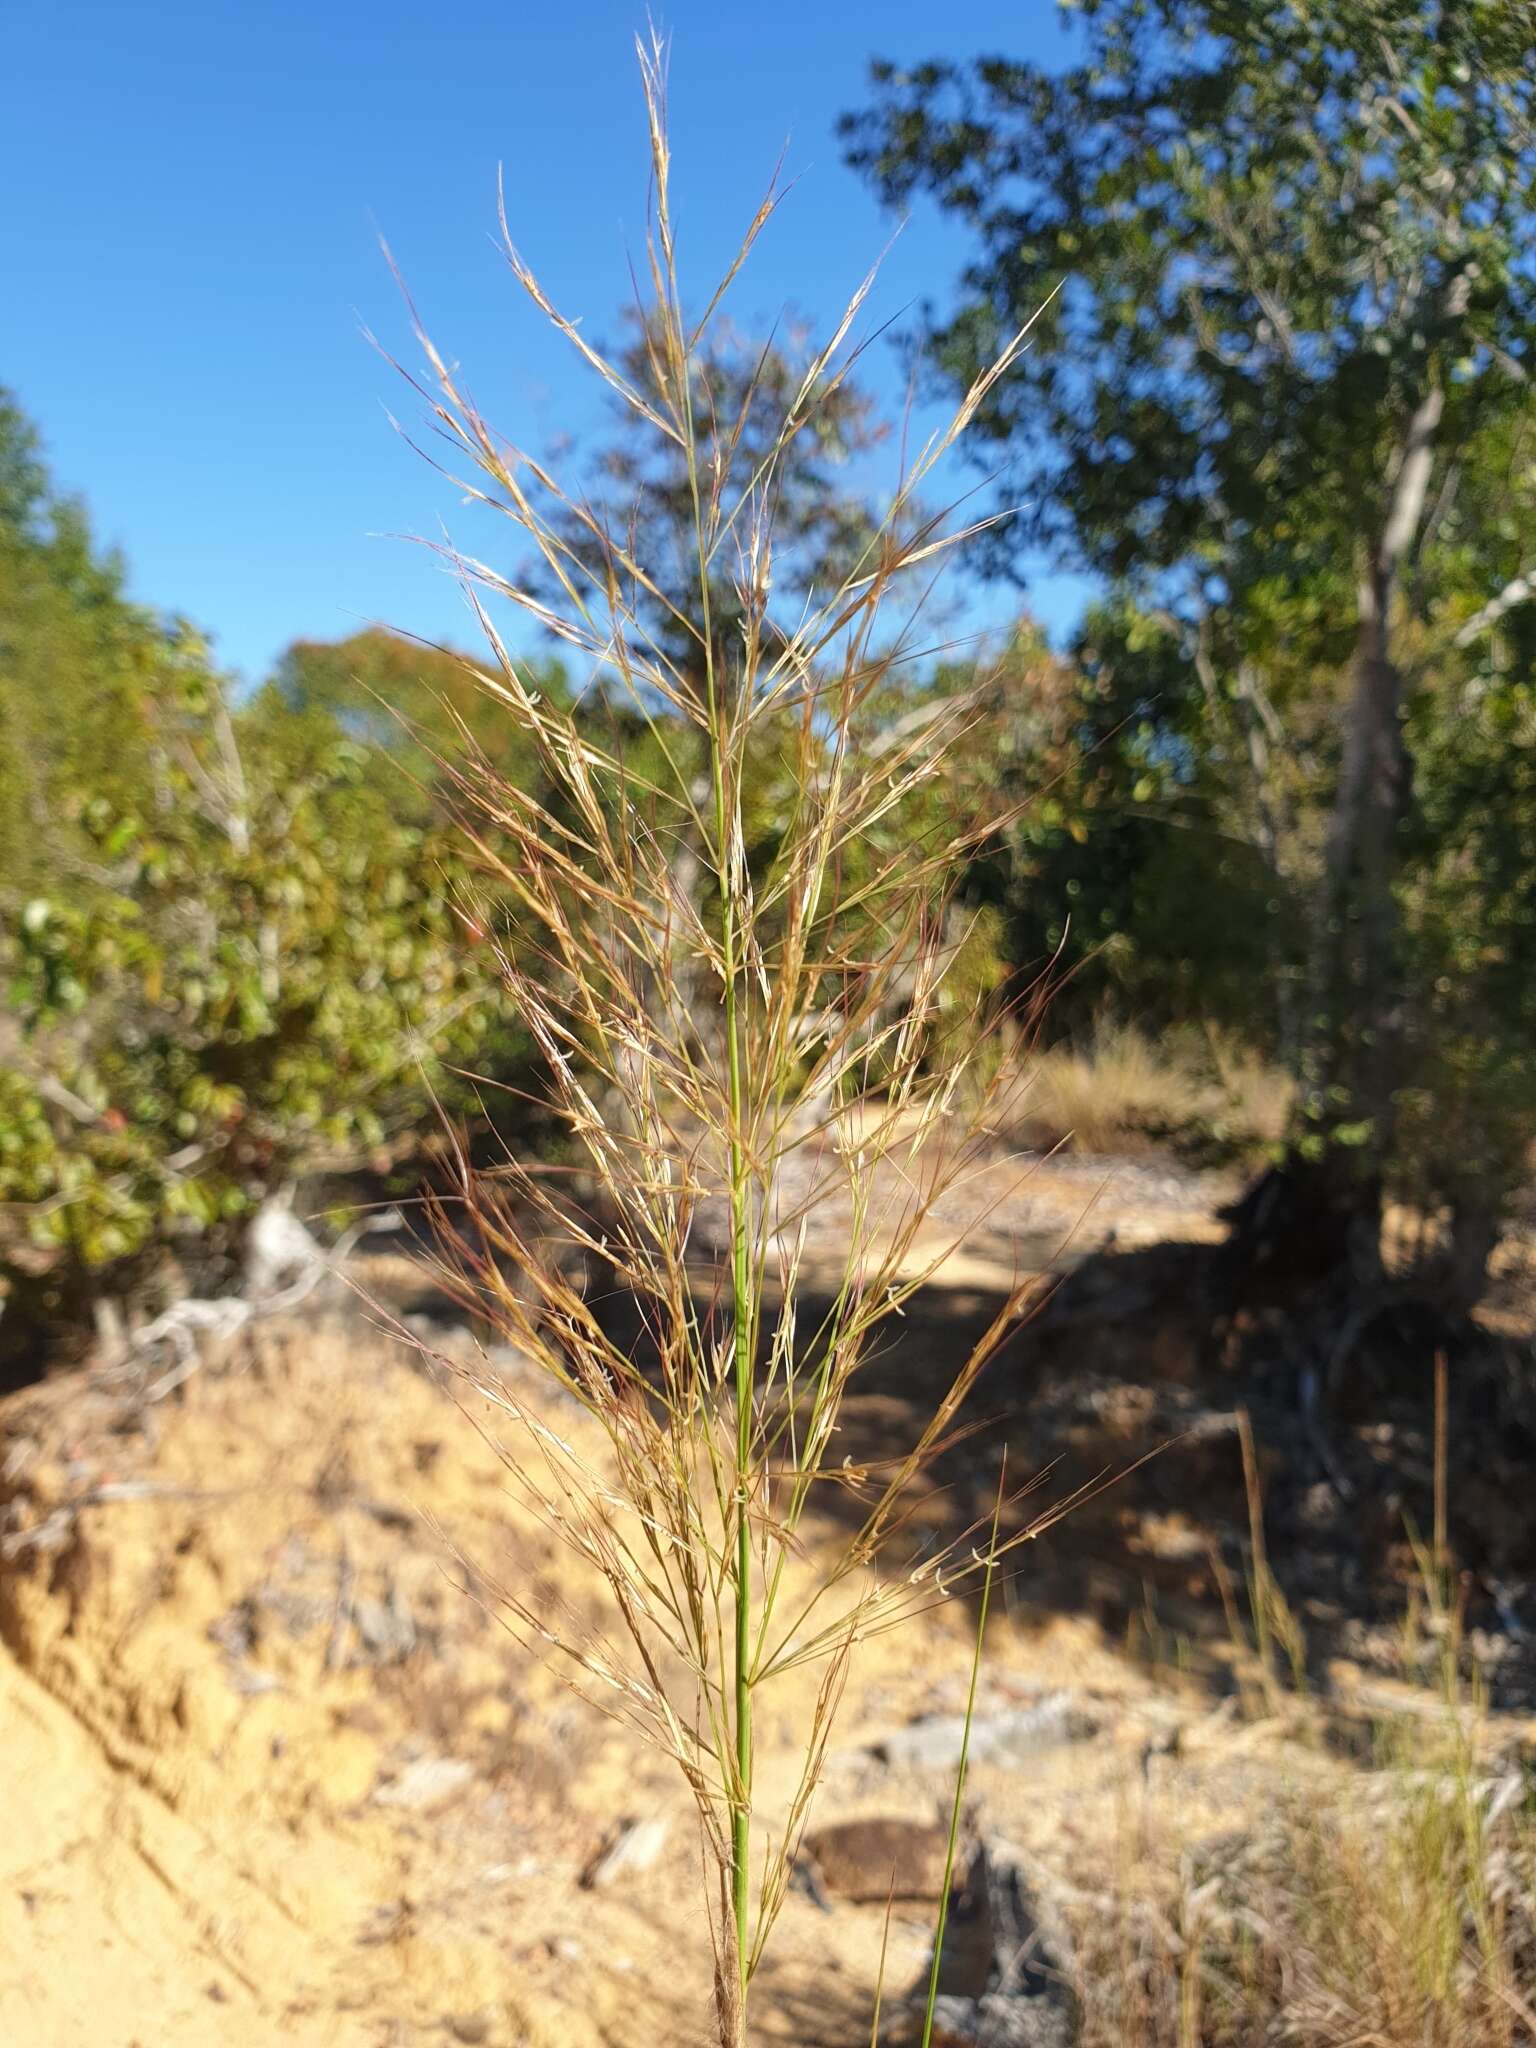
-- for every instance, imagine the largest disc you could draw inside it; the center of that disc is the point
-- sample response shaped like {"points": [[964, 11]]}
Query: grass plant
{"points": [[1389, 1906], [739, 1048], [1116, 1090]]}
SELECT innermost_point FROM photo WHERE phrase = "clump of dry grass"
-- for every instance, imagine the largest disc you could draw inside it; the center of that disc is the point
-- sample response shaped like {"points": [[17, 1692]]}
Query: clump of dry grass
{"points": [[1254, 1096], [1394, 1907], [709, 1025], [1113, 1092], [1408, 1918], [1395, 1913], [1116, 1090]]}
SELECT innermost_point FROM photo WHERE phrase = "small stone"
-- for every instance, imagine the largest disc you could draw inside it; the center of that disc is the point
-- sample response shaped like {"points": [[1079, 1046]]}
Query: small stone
{"points": [[387, 1628], [430, 1781], [879, 1858], [936, 1740], [636, 1847]]}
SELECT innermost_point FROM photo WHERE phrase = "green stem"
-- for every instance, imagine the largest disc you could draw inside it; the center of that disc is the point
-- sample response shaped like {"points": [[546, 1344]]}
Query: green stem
{"points": [[744, 1319], [741, 1290], [965, 1750]]}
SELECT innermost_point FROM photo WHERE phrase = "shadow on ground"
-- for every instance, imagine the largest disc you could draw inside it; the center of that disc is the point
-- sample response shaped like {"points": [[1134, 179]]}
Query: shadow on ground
{"points": [[1117, 1399]]}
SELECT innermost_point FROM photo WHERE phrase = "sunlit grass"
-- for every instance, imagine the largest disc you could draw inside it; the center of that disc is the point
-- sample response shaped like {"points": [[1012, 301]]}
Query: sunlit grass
{"points": [[1117, 1089], [700, 1038]]}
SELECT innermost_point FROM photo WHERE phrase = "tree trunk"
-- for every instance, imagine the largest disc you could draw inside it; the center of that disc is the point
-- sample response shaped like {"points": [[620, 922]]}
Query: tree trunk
{"points": [[1342, 1143], [1476, 1227], [1352, 1062]]}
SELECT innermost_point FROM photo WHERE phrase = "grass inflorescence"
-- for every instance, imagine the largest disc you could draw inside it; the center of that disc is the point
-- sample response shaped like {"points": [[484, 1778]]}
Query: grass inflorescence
{"points": [[739, 1030]]}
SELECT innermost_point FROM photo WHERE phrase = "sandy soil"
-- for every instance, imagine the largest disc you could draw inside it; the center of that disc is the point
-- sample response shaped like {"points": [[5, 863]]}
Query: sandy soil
{"points": [[275, 1772]]}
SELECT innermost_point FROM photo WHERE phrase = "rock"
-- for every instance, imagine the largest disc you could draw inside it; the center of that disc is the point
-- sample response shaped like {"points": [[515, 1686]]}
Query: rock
{"points": [[635, 1848], [994, 2020], [1003, 1975], [430, 1781], [386, 1629], [278, 1248], [1012, 1737], [871, 1861]]}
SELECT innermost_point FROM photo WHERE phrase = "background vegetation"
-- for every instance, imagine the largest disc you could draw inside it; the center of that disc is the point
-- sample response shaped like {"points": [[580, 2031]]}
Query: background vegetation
{"points": [[1282, 808]]}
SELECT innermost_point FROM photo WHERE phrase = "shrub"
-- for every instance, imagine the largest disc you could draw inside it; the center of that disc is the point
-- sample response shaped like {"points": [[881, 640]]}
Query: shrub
{"points": [[262, 970]]}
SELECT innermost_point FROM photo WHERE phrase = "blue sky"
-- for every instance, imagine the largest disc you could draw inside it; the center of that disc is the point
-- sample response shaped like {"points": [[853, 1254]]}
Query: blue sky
{"points": [[189, 254]]}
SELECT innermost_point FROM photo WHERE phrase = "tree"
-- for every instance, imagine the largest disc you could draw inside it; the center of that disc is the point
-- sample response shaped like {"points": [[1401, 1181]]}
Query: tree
{"points": [[638, 507], [414, 704], [1118, 784], [779, 431], [76, 659], [1468, 894], [1281, 258], [266, 980], [232, 942]]}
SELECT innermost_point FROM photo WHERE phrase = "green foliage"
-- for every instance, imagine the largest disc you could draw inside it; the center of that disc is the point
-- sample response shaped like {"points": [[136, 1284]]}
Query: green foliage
{"points": [[414, 705], [236, 942], [1123, 873], [1278, 395], [1260, 241], [629, 546], [1258, 222], [75, 662], [267, 975], [249, 941], [1470, 915]]}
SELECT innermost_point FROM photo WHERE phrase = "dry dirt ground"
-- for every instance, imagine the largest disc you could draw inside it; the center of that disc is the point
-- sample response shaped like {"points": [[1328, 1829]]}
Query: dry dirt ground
{"points": [[275, 1772]]}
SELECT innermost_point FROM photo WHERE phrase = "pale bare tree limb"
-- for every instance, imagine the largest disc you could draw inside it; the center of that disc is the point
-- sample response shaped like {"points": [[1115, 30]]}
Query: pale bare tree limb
{"points": [[1515, 592]]}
